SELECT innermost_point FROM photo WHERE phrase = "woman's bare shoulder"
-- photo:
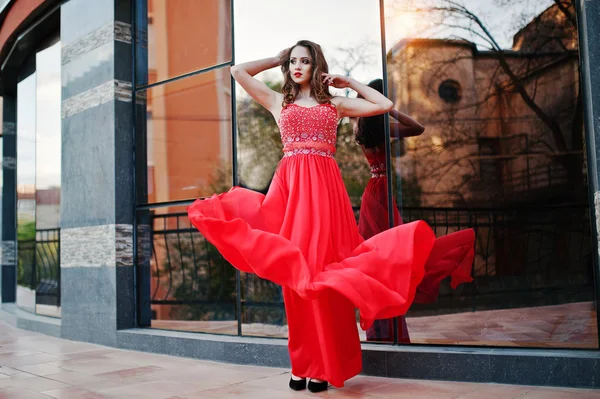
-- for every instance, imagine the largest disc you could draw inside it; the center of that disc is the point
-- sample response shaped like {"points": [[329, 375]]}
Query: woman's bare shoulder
{"points": [[337, 100]]}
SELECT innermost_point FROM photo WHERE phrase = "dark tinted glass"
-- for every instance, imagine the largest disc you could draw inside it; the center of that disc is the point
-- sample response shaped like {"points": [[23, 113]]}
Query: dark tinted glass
{"points": [[502, 153], [182, 36]]}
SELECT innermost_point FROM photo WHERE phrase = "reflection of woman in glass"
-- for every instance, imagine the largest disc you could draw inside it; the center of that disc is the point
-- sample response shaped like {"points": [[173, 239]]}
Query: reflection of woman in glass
{"points": [[302, 234], [452, 255]]}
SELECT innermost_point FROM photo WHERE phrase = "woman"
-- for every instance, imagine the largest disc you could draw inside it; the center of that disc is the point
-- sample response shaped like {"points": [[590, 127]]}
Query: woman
{"points": [[452, 255], [302, 234]]}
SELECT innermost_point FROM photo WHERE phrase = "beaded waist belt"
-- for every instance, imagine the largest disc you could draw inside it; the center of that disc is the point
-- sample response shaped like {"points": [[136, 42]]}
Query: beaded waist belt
{"points": [[308, 148], [378, 170]]}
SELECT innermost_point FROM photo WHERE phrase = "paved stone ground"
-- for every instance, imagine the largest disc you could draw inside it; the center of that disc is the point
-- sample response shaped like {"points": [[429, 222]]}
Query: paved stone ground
{"points": [[36, 366]]}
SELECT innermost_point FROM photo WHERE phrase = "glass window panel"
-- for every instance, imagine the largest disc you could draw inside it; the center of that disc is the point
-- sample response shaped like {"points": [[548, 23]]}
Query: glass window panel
{"points": [[1, 172], [188, 131], [352, 46], [192, 288], [26, 125], [502, 153], [48, 179], [263, 312], [184, 36]]}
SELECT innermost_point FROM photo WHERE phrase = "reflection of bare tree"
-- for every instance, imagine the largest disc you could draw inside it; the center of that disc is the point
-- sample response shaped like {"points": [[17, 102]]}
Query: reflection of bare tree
{"points": [[220, 180], [352, 163], [349, 59], [504, 121], [259, 142], [503, 147]]}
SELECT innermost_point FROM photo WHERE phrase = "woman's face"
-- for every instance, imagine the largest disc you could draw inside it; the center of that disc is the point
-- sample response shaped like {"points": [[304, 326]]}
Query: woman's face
{"points": [[300, 65]]}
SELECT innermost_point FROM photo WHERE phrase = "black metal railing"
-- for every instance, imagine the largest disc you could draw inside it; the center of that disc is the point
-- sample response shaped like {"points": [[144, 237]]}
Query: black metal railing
{"points": [[39, 265], [47, 291], [539, 177], [188, 274], [26, 260], [523, 257]]}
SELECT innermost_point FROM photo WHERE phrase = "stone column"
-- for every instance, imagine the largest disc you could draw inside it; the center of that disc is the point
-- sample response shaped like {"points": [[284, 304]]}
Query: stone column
{"points": [[97, 170], [8, 273]]}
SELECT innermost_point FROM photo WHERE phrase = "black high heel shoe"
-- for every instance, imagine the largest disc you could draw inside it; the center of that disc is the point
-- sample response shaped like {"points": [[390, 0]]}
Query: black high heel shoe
{"points": [[315, 387], [298, 385]]}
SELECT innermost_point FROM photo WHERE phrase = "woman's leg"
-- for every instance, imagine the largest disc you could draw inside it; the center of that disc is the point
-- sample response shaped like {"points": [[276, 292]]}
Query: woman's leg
{"points": [[323, 337]]}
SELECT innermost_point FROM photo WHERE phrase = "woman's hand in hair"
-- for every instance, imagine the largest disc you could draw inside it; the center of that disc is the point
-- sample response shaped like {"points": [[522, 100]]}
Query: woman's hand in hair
{"points": [[244, 75], [282, 55], [337, 81]]}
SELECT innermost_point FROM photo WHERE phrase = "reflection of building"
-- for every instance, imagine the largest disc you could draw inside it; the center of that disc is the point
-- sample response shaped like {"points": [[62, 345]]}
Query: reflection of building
{"points": [[47, 208], [187, 120], [485, 144], [159, 95], [503, 135], [26, 203]]}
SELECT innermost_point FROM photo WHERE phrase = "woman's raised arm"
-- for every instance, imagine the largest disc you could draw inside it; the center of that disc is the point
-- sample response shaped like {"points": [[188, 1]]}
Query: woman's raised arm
{"points": [[244, 75]]}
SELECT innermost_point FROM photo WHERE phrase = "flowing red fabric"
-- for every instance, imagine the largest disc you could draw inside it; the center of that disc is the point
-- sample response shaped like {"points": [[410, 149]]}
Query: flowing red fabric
{"points": [[303, 236], [452, 255]]}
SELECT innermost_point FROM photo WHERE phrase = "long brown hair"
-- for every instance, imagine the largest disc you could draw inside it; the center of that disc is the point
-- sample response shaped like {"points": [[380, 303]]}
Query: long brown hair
{"points": [[371, 129], [318, 89]]}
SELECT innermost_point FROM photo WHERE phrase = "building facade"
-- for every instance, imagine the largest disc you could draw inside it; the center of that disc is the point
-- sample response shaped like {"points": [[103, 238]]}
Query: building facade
{"points": [[118, 114]]}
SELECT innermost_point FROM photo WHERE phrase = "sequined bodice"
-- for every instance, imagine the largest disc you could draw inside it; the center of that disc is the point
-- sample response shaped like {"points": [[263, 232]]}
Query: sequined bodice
{"points": [[376, 158], [308, 130]]}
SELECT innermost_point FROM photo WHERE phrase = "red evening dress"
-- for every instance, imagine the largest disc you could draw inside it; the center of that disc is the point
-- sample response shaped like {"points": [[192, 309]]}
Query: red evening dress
{"points": [[303, 236], [452, 255]]}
